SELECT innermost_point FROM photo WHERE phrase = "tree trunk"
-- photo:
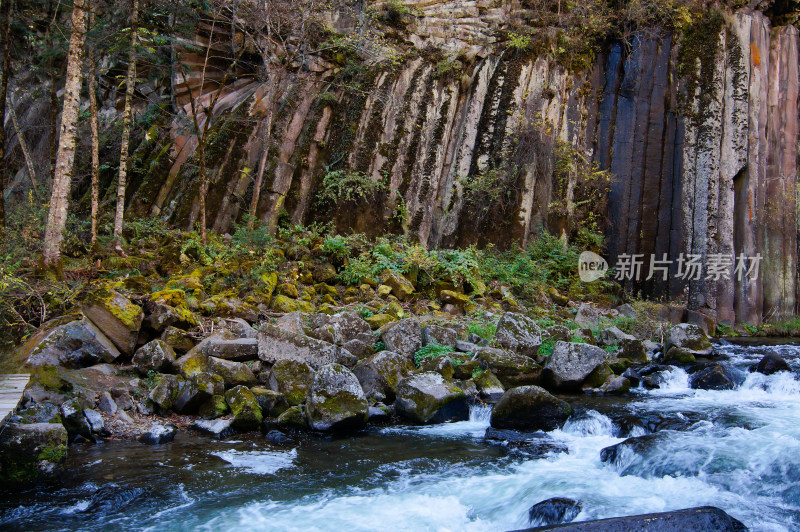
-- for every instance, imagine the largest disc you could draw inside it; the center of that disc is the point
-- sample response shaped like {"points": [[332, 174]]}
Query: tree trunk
{"points": [[3, 92], [265, 154], [130, 81], [203, 188], [65, 158], [95, 142], [25, 152]]}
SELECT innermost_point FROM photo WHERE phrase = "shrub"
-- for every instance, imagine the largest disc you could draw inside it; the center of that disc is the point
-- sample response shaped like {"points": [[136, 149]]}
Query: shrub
{"points": [[341, 185]]}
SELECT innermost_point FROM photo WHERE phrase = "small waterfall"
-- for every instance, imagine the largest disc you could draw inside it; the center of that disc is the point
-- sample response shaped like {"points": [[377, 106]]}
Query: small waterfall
{"points": [[480, 413]]}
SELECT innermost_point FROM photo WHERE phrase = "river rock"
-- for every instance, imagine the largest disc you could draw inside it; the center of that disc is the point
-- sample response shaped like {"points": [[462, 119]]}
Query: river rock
{"points": [[613, 336], [275, 344], [190, 396], [705, 518], [690, 338], [530, 408], [74, 420], [570, 363], [554, 511], [519, 333], [772, 363], [233, 373], [155, 356], [77, 344], [218, 428], [336, 400], [439, 335], [229, 347], [380, 374], [511, 369], [158, 434], [490, 389], [214, 407], [179, 340], [404, 337], [293, 379], [30, 451], [429, 398], [247, 413], [165, 392], [272, 403], [294, 417], [715, 377], [616, 385], [116, 316], [96, 423], [528, 444], [633, 350]]}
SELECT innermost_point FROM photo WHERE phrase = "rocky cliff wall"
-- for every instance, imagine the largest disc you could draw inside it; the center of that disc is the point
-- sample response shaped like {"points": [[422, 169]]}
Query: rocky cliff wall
{"points": [[698, 132]]}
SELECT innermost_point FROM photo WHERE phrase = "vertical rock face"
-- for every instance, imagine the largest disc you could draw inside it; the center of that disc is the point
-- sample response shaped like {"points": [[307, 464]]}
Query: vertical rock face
{"points": [[699, 132]]}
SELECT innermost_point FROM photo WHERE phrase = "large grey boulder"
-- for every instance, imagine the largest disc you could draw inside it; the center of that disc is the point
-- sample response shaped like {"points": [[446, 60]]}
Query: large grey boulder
{"points": [[229, 347], [519, 333], [689, 338], [165, 392], [429, 398], [336, 400], [530, 408], [404, 337], [76, 344], [233, 373], [154, 356], [439, 335], [380, 374], [570, 363], [587, 316], [275, 344], [30, 451]]}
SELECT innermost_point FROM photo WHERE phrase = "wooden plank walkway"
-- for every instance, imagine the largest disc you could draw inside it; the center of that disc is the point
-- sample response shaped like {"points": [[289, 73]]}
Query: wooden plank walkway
{"points": [[11, 388]]}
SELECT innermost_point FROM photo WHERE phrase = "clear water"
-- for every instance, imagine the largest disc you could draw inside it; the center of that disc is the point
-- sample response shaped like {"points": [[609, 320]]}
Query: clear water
{"points": [[738, 450]]}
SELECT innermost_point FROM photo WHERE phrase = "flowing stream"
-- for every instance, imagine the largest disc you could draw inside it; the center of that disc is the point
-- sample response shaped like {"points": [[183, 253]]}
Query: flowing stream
{"points": [[738, 450]]}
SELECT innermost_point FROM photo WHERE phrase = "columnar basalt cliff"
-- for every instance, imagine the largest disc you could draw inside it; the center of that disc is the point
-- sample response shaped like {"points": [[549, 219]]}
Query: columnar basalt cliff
{"points": [[697, 129]]}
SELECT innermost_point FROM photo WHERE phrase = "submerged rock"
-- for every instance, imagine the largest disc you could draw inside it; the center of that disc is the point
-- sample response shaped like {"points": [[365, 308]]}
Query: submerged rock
{"points": [[519, 333], [528, 444], [772, 363], [570, 363], [530, 408], [716, 377], [336, 400], [158, 434], [554, 511], [429, 398], [705, 518]]}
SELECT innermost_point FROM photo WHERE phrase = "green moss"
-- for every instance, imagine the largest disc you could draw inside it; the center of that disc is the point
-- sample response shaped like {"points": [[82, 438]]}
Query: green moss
{"points": [[53, 453]]}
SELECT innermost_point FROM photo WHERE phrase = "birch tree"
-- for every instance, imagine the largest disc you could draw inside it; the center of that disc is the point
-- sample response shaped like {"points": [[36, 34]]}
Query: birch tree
{"points": [[130, 82], [65, 156], [7, 9], [93, 124]]}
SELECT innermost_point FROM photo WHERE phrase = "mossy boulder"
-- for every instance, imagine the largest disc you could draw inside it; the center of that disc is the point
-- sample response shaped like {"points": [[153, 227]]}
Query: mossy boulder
{"points": [[50, 378], [116, 316], [247, 413], [282, 303], [633, 350], [233, 373], [192, 282], [178, 339], [489, 386], [690, 338], [74, 420], [380, 374], [512, 369], [294, 417], [288, 290], [214, 407], [336, 400], [31, 451], [401, 287], [165, 392], [155, 356], [170, 297], [267, 288], [439, 335], [164, 316], [454, 298], [191, 363], [429, 398], [272, 403], [376, 321], [678, 355], [291, 378], [227, 306], [530, 408], [519, 333], [441, 364]]}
